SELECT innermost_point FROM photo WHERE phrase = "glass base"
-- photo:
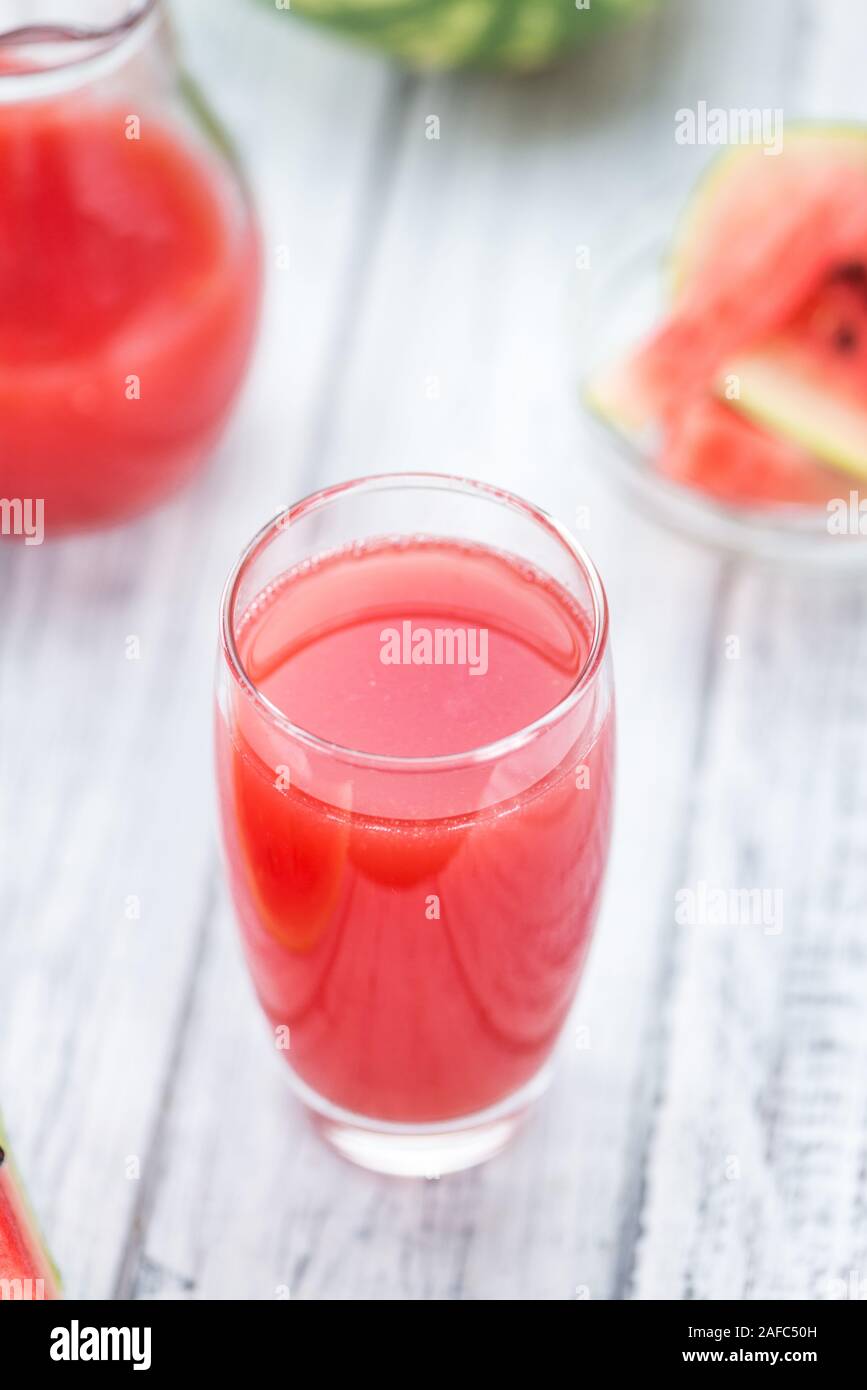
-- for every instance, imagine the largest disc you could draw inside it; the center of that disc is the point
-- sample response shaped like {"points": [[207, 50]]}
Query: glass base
{"points": [[421, 1151]]}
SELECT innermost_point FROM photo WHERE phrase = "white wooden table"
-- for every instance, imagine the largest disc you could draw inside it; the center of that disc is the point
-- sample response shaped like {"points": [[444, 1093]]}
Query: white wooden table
{"points": [[707, 1132]]}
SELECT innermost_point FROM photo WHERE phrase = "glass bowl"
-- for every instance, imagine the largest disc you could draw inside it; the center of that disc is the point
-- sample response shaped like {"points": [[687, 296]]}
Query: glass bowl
{"points": [[627, 299]]}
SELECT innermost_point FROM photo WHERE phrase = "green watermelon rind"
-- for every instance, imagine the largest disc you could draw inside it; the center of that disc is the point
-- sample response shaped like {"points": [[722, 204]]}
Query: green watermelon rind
{"points": [[792, 407], [37, 1239], [434, 34]]}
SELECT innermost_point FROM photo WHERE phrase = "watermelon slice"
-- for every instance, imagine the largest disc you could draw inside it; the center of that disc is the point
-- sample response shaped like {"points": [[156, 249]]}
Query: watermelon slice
{"points": [[769, 286], [712, 449], [809, 384], [745, 193], [26, 1271]]}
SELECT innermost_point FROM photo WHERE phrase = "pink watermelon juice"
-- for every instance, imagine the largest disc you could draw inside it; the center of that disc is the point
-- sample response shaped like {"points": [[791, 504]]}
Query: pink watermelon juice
{"points": [[418, 927], [129, 283]]}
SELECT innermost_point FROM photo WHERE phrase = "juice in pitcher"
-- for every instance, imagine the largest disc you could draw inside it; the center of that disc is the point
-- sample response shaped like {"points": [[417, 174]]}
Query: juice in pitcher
{"points": [[129, 272]]}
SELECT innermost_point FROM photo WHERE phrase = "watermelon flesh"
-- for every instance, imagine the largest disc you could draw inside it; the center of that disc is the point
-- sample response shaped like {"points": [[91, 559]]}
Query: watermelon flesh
{"points": [[836, 321], [26, 1271], [809, 384], [714, 450], [769, 325]]}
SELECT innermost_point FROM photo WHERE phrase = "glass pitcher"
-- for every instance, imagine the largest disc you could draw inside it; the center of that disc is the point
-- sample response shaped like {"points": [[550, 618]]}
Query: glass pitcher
{"points": [[129, 264]]}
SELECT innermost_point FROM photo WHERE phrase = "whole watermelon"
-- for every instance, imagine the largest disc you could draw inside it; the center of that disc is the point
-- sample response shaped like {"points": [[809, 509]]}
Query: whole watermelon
{"points": [[510, 34]]}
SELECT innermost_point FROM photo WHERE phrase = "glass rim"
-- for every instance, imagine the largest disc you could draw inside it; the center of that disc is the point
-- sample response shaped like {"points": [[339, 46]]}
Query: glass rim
{"points": [[483, 753], [84, 62]]}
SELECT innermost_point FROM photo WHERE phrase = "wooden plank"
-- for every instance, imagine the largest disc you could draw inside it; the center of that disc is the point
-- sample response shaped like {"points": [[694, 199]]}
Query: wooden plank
{"points": [[430, 316], [755, 1187], [106, 784], [756, 1176], [464, 359], [828, 61]]}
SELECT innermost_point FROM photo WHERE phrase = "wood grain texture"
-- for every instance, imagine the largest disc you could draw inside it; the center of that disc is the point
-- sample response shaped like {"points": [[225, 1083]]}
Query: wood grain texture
{"points": [[106, 780], [433, 315], [757, 1174], [465, 359]]}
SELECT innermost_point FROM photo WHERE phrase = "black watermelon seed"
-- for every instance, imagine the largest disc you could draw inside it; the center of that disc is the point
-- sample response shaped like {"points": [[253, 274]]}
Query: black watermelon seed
{"points": [[845, 337], [851, 273]]}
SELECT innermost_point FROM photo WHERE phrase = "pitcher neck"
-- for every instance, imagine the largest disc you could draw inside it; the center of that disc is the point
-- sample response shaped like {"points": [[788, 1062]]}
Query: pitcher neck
{"points": [[44, 59]]}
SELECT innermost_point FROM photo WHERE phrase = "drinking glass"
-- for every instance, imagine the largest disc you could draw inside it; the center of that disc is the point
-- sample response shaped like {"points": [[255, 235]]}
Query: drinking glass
{"points": [[129, 263], [415, 851]]}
